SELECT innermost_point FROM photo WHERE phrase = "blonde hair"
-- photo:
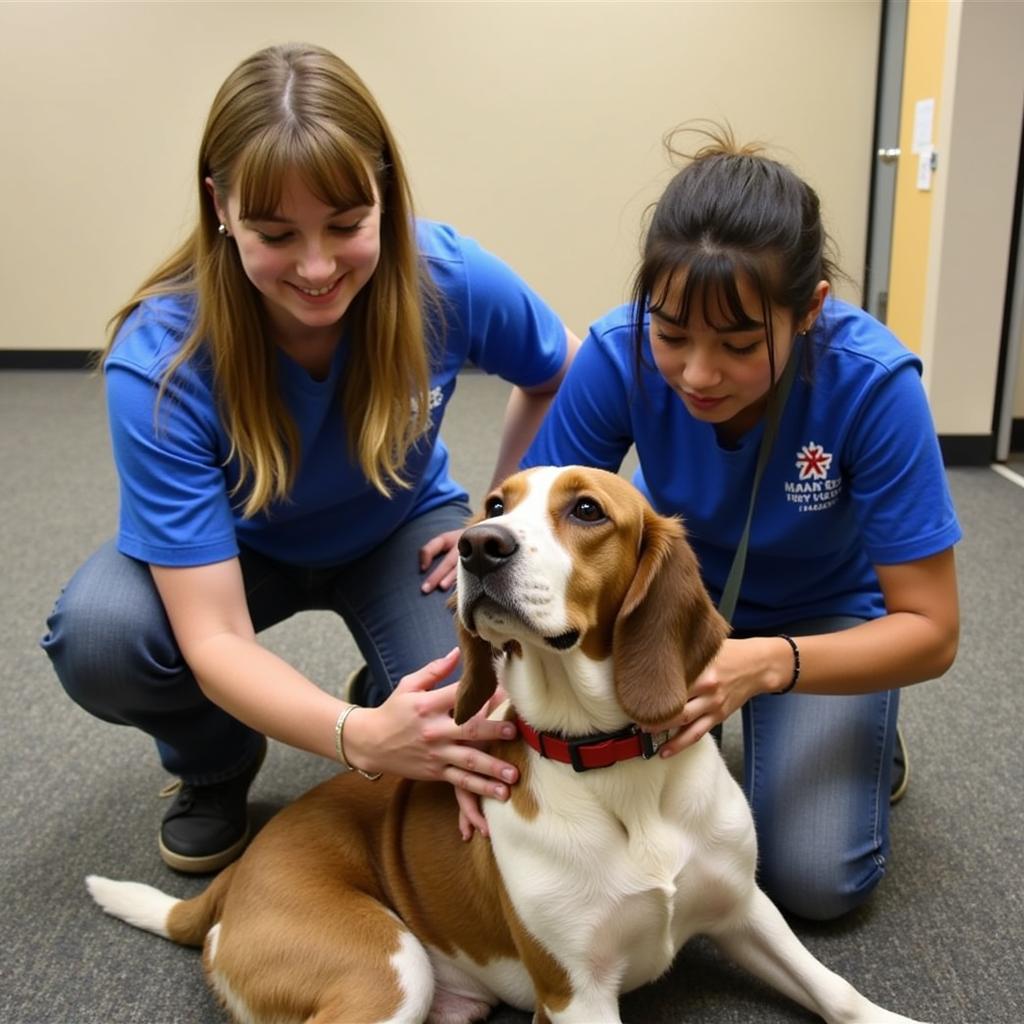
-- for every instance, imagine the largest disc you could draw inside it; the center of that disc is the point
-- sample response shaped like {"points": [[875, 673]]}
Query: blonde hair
{"points": [[299, 107]]}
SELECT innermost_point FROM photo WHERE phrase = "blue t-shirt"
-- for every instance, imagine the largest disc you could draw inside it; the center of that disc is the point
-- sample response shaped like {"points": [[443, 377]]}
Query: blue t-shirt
{"points": [[175, 477], [855, 478]]}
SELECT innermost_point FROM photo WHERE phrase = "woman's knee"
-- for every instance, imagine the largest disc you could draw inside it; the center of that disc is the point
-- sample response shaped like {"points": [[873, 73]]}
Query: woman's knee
{"points": [[108, 634], [814, 778], [818, 884]]}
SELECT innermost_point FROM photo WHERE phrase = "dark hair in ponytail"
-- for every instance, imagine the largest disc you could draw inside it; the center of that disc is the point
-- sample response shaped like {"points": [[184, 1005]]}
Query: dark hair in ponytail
{"points": [[732, 212]]}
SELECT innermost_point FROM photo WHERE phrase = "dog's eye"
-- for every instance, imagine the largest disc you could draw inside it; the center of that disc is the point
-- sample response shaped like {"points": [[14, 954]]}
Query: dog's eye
{"points": [[494, 506], [586, 510]]}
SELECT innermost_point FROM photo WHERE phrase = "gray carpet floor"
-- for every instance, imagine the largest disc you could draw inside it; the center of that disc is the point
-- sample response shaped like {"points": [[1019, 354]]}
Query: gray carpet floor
{"points": [[940, 941]]}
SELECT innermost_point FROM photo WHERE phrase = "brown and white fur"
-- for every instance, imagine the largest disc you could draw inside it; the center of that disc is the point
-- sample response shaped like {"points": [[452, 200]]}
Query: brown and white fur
{"points": [[361, 903]]}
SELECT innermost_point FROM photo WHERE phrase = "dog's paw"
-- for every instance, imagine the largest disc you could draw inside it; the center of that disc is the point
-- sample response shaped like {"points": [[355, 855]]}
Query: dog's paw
{"points": [[871, 1014]]}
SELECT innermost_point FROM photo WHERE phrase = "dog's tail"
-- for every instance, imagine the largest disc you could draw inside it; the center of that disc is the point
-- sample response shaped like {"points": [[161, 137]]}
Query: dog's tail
{"points": [[183, 921]]}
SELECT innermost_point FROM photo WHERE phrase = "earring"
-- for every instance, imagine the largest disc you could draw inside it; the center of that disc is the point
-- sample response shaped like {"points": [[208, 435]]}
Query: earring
{"points": [[223, 229]]}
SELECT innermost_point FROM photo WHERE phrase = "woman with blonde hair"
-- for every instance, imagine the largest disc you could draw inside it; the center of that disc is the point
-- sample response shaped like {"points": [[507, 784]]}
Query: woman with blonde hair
{"points": [[275, 390], [791, 432]]}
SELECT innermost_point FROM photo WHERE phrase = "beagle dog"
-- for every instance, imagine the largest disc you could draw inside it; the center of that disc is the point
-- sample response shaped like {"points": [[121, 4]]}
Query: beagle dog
{"points": [[361, 902]]}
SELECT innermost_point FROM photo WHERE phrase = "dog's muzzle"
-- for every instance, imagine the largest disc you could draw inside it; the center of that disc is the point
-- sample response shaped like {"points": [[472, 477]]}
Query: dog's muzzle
{"points": [[486, 547], [484, 551]]}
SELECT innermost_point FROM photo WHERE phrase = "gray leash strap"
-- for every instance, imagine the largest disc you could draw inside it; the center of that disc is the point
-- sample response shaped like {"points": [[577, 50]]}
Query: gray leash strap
{"points": [[776, 406]]}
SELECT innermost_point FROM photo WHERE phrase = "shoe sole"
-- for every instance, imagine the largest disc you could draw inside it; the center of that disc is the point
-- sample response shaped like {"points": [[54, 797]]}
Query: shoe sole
{"points": [[352, 688], [203, 865], [900, 791], [212, 861]]}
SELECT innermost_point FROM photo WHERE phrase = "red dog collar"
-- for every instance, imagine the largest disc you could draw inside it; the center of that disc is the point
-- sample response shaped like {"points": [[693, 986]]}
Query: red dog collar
{"points": [[598, 750]]}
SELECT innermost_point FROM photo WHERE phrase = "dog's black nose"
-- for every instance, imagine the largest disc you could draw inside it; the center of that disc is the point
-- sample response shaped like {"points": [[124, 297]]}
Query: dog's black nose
{"points": [[486, 547]]}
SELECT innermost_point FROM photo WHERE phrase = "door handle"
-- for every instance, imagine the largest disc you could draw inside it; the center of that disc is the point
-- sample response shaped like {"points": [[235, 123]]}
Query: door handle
{"points": [[889, 156]]}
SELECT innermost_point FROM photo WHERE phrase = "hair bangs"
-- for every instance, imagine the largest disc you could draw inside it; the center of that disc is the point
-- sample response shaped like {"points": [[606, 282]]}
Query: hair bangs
{"points": [[327, 160], [709, 279]]}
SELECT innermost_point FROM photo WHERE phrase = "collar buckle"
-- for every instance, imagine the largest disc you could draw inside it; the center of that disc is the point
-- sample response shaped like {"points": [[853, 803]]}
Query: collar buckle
{"points": [[652, 742], [649, 744]]}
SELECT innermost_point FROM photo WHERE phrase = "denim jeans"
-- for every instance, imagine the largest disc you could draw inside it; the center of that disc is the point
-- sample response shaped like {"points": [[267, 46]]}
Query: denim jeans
{"points": [[817, 774], [115, 654]]}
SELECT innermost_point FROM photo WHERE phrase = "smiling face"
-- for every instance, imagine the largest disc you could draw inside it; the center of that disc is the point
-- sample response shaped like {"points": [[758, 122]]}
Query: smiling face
{"points": [[308, 260], [716, 361]]}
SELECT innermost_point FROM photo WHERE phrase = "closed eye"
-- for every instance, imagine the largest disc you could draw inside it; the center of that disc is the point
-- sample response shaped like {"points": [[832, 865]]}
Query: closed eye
{"points": [[277, 238], [286, 236], [740, 349], [671, 339], [732, 347]]}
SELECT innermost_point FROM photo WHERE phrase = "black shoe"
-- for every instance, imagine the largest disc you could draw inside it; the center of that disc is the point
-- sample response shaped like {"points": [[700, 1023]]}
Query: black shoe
{"points": [[900, 769], [207, 827], [353, 690]]}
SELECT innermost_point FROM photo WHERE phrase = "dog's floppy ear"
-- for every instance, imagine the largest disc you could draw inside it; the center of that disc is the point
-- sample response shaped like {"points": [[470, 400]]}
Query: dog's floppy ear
{"points": [[479, 680], [667, 629]]}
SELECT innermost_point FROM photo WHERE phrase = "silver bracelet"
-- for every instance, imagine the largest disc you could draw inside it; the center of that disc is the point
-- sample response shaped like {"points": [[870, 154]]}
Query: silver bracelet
{"points": [[339, 744]]}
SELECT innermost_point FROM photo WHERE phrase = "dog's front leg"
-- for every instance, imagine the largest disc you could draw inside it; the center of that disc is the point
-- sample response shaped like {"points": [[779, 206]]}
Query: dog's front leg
{"points": [[762, 942], [583, 1008], [578, 985], [564, 994]]}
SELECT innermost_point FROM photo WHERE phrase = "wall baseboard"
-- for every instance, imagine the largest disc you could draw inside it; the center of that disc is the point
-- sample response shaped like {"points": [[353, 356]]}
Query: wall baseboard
{"points": [[47, 358], [967, 449], [1017, 436]]}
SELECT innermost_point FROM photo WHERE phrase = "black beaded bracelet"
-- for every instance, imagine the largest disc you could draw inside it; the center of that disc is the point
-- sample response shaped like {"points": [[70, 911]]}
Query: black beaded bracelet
{"points": [[796, 665]]}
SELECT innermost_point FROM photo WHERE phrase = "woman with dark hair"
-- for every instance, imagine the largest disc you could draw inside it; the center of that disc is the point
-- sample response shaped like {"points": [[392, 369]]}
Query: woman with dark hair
{"points": [[754, 397], [275, 391]]}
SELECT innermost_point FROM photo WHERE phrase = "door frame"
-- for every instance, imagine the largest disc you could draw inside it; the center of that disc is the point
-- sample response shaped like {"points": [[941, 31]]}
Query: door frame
{"points": [[882, 193], [1012, 339]]}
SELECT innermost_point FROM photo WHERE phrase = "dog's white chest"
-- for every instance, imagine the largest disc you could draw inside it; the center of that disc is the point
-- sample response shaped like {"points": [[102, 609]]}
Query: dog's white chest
{"points": [[607, 875]]}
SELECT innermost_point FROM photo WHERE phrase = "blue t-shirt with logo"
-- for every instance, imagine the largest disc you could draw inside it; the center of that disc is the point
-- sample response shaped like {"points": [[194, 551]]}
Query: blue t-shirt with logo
{"points": [[855, 478], [176, 478]]}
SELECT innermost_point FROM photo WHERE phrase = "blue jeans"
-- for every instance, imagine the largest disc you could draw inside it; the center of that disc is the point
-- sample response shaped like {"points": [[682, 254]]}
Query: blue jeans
{"points": [[817, 774], [115, 654]]}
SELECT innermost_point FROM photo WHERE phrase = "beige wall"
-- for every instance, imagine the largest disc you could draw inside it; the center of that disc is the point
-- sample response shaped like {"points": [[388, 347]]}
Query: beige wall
{"points": [[535, 127], [979, 133]]}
